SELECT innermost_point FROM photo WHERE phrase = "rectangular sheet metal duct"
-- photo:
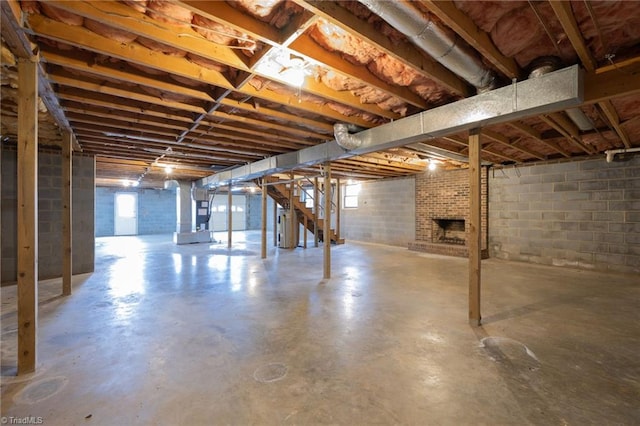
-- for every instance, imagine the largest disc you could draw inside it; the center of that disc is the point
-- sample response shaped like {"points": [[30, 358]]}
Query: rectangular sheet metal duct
{"points": [[555, 91]]}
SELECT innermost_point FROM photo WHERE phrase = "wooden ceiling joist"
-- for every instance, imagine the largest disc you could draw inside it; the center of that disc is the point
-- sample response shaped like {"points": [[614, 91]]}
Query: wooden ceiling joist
{"points": [[533, 133], [405, 52]]}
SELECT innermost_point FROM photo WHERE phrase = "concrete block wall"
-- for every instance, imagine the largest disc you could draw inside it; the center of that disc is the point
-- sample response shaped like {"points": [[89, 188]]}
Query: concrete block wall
{"points": [[50, 214], [445, 194], [105, 205], [583, 214], [385, 213], [156, 210], [254, 212]]}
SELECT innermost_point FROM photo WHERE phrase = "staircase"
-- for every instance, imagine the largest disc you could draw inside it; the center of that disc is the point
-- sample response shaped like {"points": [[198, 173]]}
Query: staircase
{"points": [[281, 192]]}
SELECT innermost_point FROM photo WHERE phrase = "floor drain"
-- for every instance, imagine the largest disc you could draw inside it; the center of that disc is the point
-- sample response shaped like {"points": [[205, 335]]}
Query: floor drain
{"points": [[270, 372], [40, 390]]}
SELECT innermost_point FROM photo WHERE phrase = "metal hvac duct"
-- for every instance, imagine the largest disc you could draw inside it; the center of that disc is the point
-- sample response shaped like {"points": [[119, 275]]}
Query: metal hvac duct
{"points": [[558, 90], [441, 43], [547, 64]]}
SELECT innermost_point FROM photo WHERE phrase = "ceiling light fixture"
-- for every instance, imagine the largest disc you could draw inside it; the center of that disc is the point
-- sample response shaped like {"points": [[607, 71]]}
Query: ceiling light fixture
{"points": [[168, 169], [432, 165]]}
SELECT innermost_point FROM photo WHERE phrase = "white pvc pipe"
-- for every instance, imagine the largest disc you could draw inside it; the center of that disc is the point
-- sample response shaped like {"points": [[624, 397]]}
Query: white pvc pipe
{"points": [[612, 152]]}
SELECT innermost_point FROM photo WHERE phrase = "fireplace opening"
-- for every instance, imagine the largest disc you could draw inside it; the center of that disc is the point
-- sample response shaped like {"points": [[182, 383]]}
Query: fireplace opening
{"points": [[449, 231]]}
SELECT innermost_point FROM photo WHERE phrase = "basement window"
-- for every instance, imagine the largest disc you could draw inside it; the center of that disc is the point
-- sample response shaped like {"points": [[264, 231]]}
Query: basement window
{"points": [[307, 197], [351, 192]]}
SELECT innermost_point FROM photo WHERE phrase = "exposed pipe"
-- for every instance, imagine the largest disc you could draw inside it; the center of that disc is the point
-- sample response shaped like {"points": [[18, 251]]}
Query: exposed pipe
{"points": [[341, 131], [547, 64], [441, 43], [612, 152], [580, 119]]}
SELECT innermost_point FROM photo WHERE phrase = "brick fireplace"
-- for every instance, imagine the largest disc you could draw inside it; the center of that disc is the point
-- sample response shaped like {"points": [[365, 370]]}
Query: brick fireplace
{"points": [[449, 231], [442, 212]]}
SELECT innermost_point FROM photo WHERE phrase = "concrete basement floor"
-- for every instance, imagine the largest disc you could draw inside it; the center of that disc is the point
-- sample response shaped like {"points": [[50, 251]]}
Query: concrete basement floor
{"points": [[198, 334]]}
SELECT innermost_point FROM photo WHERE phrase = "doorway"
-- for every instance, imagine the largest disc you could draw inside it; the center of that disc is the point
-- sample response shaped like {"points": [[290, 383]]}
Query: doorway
{"points": [[126, 214]]}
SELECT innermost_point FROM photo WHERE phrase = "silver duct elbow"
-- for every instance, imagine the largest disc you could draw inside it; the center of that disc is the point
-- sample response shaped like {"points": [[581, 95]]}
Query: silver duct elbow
{"points": [[344, 138]]}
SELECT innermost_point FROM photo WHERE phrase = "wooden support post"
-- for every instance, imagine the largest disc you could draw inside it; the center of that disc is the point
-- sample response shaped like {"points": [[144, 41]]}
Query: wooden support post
{"points": [[27, 214], [316, 207], [67, 212], [306, 223], [475, 227], [338, 207], [229, 218], [292, 214], [326, 223], [275, 224], [264, 220]]}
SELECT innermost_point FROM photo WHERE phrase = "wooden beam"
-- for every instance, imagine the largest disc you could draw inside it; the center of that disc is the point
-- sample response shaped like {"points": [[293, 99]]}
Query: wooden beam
{"points": [[22, 47], [609, 83], [338, 207], [125, 18], [565, 15], [326, 223], [530, 131], [311, 50], [305, 224], [137, 54], [552, 121], [475, 227], [503, 140], [229, 218], [85, 62], [263, 240], [67, 213], [612, 116], [404, 52], [461, 142], [27, 214], [275, 223], [292, 213], [455, 19]]}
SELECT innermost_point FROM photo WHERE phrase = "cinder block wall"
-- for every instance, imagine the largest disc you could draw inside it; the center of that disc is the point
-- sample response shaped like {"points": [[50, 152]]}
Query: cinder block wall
{"points": [[582, 214], [445, 194], [385, 213], [50, 214], [254, 212], [105, 201], [156, 210]]}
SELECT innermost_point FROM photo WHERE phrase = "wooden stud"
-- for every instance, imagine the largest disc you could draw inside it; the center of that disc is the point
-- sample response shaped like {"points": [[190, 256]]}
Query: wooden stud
{"points": [[275, 223], [326, 223], [316, 216], [306, 223], [612, 116], [264, 220], [67, 213], [292, 213], [475, 225], [338, 208], [27, 214], [229, 218]]}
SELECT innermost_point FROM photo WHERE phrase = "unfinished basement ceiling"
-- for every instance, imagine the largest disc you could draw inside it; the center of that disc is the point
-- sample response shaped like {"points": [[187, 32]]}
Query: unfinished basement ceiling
{"points": [[202, 86]]}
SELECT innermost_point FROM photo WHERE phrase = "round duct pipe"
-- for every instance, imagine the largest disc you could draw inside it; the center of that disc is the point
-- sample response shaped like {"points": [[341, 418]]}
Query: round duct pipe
{"points": [[344, 137], [438, 41]]}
